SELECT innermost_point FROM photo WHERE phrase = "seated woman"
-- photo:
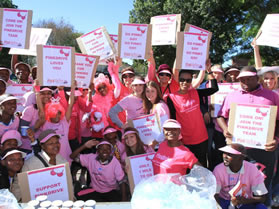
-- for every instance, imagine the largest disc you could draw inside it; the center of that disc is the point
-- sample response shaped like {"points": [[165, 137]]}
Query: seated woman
{"points": [[251, 191], [11, 163], [105, 171], [172, 156]]}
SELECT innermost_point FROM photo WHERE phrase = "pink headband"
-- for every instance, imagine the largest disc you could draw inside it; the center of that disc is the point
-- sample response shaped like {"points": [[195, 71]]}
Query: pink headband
{"points": [[138, 81], [246, 74], [109, 130], [229, 149], [128, 72], [129, 132], [165, 71]]}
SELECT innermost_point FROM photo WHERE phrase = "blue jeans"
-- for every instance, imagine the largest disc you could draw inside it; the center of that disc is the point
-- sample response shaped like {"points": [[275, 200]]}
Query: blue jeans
{"points": [[225, 204]]}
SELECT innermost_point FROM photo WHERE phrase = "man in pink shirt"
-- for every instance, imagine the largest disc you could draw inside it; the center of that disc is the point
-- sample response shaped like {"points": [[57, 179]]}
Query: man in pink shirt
{"points": [[252, 92], [239, 183]]}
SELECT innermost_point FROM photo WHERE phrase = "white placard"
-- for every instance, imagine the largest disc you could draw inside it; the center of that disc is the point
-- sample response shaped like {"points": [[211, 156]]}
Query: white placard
{"points": [[38, 36], [15, 28], [85, 66], [164, 29], [133, 41], [269, 31], [218, 97], [148, 128], [194, 51], [114, 40], [96, 42], [55, 65], [251, 125], [195, 29], [18, 90]]}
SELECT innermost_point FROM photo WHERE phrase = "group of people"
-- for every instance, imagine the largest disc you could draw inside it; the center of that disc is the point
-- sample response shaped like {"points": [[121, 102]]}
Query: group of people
{"points": [[91, 127]]}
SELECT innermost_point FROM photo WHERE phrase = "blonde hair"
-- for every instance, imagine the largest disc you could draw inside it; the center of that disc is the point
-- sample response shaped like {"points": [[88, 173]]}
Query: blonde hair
{"points": [[274, 74]]}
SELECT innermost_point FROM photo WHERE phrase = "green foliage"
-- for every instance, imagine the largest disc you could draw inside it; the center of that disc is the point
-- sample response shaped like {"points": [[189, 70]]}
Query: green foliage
{"points": [[233, 23]]}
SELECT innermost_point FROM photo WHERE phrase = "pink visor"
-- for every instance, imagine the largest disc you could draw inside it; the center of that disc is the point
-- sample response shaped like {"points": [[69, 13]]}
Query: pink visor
{"points": [[229, 149], [104, 142], [128, 132], [164, 71], [15, 151], [128, 72], [45, 89], [109, 130], [77, 93], [8, 98], [137, 81], [232, 69], [217, 70], [48, 137], [170, 123], [246, 74], [12, 134]]}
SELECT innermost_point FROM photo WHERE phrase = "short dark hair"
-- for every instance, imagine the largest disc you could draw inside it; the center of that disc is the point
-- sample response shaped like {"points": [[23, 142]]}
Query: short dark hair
{"points": [[186, 71]]}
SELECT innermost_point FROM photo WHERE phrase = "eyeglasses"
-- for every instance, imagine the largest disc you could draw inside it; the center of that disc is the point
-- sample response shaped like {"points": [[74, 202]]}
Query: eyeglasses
{"points": [[187, 80], [165, 74], [130, 75]]}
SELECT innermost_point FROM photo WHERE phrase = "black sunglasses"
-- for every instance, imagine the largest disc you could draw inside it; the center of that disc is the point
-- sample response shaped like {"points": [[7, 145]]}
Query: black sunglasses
{"points": [[130, 75], [188, 80], [165, 74]]}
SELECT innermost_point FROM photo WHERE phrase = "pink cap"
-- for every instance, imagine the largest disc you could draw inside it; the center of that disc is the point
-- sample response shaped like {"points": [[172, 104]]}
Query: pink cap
{"points": [[13, 151], [46, 135], [128, 132], [46, 89], [12, 134], [104, 142], [229, 149], [109, 130], [171, 123], [77, 93], [137, 81], [128, 72], [246, 74], [165, 71]]}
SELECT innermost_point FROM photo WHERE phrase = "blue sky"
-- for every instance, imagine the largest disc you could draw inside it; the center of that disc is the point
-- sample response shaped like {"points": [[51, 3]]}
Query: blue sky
{"points": [[84, 15]]}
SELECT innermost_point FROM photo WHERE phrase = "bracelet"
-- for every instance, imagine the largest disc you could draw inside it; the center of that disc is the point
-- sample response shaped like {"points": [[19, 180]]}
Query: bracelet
{"points": [[210, 73]]}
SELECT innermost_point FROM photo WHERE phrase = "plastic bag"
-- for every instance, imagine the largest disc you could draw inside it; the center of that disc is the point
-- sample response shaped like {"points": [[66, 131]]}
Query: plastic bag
{"points": [[8, 200], [169, 191]]}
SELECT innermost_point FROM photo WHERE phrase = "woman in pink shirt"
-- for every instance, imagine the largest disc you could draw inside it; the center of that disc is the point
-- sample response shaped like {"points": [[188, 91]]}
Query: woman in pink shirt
{"points": [[132, 104], [105, 171]]}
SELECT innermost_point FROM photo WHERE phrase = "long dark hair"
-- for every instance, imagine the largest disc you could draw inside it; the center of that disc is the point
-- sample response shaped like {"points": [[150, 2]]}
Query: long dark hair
{"points": [[140, 146], [147, 105]]}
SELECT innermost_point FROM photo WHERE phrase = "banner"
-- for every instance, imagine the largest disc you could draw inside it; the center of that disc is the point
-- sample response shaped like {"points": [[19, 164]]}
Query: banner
{"points": [[139, 167], [15, 28], [38, 36], [268, 34], [86, 66], [148, 127], [55, 182], [165, 28], [97, 42], [192, 51], [134, 41], [216, 100], [56, 65], [18, 90], [252, 125]]}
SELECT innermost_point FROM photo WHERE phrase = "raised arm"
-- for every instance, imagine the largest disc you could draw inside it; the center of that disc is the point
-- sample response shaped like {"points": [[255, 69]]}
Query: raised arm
{"points": [[175, 72], [257, 56], [71, 102], [113, 69], [88, 145], [151, 74]]}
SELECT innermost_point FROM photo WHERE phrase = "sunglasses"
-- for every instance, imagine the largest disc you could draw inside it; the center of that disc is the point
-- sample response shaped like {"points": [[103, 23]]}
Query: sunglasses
{"points": [[129, 75], [188, 80], [165, 74]]}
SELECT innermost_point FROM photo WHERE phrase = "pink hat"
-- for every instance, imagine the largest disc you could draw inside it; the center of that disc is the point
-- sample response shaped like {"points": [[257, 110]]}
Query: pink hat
{"points": [[104, 142], [246, 74], [229, 149], [109, 130], [12, 151], [128, 72], [77, 93], [7, 97], [129, 132], [137, 81], [45, 89], [165, 71], [164, 67], [171, 123], [12, 134]]}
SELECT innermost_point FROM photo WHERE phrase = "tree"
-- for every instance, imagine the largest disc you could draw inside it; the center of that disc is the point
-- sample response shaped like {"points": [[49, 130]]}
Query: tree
{"points": [[231, 22], [5, 58]]}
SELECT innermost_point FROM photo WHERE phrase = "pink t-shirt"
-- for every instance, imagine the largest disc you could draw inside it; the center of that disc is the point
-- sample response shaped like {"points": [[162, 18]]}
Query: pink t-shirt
{"points": [[259, 96], [133, 106], [248, 175], [173, 159], [161, 109], [12, 126], [104, 178], [122, 152], [61, 128], [189, 115]]}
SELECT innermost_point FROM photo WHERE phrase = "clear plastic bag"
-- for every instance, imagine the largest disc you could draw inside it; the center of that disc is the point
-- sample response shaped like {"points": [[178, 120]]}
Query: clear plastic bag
{"points": [[169, 191], [8, 200]]}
